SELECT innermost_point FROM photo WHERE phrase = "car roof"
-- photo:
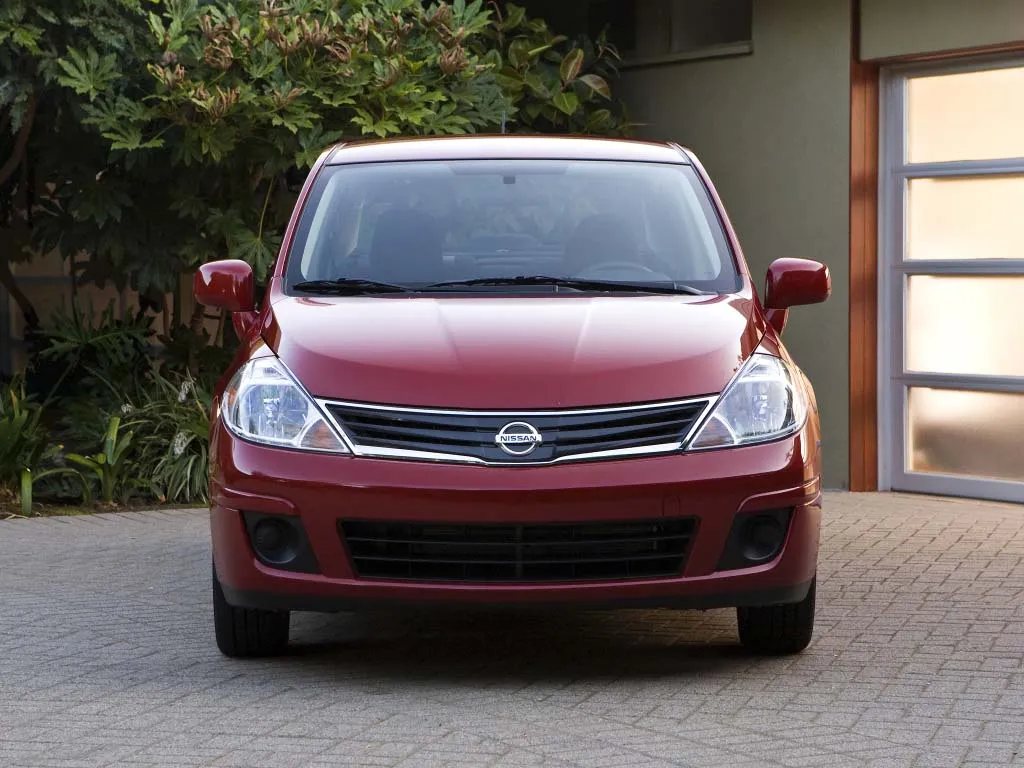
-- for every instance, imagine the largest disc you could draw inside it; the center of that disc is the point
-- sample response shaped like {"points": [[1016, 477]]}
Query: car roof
{"points": [[506, 148]]}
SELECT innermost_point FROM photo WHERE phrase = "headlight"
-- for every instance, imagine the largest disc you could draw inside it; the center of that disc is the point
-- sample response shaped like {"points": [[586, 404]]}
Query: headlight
{"points": [[264, 404], [765, 401]]}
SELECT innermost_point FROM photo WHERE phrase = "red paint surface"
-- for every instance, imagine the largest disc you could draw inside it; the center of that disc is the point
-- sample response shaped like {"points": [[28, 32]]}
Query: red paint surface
{"points": [[514, 352], [226, 284], [792, 282]]}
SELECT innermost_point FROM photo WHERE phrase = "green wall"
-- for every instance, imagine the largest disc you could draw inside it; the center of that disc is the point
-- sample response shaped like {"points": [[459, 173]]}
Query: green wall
{"points": [[773, 130], [890, 29]]}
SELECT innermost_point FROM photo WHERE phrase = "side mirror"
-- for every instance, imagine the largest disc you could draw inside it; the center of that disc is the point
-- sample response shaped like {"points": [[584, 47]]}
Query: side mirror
{"points": [[793, 282], [226, 285]]}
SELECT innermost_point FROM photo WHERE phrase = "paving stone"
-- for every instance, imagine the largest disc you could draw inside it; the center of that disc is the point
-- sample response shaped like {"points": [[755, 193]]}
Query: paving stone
{"points": [[107, 659]]}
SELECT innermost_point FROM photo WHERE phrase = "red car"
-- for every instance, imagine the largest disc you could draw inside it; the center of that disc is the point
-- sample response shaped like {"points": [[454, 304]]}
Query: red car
{"points": [[513, 370]]}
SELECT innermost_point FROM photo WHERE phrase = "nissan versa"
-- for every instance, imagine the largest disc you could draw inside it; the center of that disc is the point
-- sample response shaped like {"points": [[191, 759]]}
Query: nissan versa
{"points": [[517, 371]]}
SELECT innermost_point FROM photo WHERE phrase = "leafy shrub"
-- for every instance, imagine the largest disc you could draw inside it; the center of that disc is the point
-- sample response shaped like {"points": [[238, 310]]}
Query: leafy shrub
{"points": [[197, 353], [25, 448], [23, 439], [138, 427], [173, 427], [102, 350], [555, 84], [91, 366], [112, 467], [24, 443]]}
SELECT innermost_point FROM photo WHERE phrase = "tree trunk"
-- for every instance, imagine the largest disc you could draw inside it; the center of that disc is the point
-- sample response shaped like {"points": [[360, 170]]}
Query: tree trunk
{"points": [[176, 304], [8, 282], [7, 170], [198, 318], [165, 316]]}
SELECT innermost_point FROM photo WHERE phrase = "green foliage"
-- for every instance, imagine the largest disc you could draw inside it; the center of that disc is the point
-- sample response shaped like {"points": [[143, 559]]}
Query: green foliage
{"points": [[109, 380], [105, 351], [64, 188], [92, 366], [24, 442], [25, 447], [29, 479], [556, 84], [111, 466], [197, 354], [172, 429], [88, 74]]}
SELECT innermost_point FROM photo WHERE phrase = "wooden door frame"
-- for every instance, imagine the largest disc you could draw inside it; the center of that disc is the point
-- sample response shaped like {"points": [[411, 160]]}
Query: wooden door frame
{"points": [[864, 147], [865, 99]]}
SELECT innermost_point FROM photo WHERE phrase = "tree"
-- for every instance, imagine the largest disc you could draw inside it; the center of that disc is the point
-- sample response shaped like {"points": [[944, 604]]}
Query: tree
{"points": [[50, 161]]}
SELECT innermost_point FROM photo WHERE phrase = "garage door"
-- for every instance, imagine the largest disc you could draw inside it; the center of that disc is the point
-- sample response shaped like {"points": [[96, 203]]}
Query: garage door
{"points": [[952, 249]]}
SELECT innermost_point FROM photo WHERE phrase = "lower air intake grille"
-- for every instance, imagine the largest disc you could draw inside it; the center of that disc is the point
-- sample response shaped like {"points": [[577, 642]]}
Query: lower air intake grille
{"points": [[518, 553]]}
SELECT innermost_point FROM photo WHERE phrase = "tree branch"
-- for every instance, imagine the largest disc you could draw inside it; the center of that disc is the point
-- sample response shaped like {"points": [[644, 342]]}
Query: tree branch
{"points": [[20, 143]]}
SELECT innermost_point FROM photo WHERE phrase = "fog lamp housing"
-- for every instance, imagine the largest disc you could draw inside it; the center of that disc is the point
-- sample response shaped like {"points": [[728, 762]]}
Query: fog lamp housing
{"points": [[756, 538], [280, 541]]}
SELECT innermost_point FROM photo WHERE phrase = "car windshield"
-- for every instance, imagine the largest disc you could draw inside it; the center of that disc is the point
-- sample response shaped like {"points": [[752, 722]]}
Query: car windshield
{"points": [[489, 225]]}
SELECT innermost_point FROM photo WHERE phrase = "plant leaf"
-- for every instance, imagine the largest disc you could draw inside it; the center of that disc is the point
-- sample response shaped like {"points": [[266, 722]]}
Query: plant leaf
{"points": [[566, 102], [598, 85], [571, 65]]}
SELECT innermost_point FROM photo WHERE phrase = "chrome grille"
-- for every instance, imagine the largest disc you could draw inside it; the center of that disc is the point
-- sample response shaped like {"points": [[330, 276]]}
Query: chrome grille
{"points": [[469, 436]]}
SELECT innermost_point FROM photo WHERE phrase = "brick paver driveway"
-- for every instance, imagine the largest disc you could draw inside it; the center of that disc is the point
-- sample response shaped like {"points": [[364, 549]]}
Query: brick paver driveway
{"points": [[107, 658]]}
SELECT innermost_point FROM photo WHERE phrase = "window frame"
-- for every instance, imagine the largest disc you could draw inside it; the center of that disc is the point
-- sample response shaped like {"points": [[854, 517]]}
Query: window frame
{"points": [[895, 379], [632, 59]]}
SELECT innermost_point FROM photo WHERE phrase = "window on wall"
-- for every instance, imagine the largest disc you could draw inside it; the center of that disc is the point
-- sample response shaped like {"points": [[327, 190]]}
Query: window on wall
{"points": [[653, 31]]}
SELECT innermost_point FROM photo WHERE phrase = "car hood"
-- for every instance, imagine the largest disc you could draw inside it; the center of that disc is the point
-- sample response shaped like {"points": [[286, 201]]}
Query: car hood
{"points": [[513, 352]]}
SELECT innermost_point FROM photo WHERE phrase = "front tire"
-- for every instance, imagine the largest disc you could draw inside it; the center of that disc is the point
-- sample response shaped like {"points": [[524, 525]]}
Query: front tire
{"points": [[247, 632], [776, 630]]}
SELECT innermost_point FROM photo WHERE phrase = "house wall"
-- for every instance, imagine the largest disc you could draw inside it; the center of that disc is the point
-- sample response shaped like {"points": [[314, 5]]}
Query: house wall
{"points": [[773, 129], [915, 27]]}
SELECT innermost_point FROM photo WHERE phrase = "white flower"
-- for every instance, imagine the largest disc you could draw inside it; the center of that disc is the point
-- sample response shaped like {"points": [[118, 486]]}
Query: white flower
{"points": [[186, 389], [179, 444], [127, 409]]}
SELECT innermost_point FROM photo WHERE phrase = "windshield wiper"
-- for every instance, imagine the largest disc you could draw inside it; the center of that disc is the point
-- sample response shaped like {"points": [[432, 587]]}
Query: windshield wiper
{"points": [[350, 286], [574, 284]]}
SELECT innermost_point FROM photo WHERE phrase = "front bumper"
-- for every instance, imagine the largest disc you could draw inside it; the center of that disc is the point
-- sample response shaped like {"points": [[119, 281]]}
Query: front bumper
{"points": [[711, 486]]}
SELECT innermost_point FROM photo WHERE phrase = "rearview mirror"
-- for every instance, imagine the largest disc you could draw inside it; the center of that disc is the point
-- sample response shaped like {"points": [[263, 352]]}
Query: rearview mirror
{"points": [[792, 282], [226, 284]]}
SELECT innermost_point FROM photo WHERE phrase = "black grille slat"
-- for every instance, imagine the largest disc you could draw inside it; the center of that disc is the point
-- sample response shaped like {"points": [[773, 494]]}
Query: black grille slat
{"points": [[379, 430], [521, 553], [574, 542], [469, 435]]}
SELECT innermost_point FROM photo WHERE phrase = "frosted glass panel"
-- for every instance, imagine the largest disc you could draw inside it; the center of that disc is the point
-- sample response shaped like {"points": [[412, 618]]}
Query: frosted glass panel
{"points": [[966, 325], [976, 434], [966, 218], [968, 116]]}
